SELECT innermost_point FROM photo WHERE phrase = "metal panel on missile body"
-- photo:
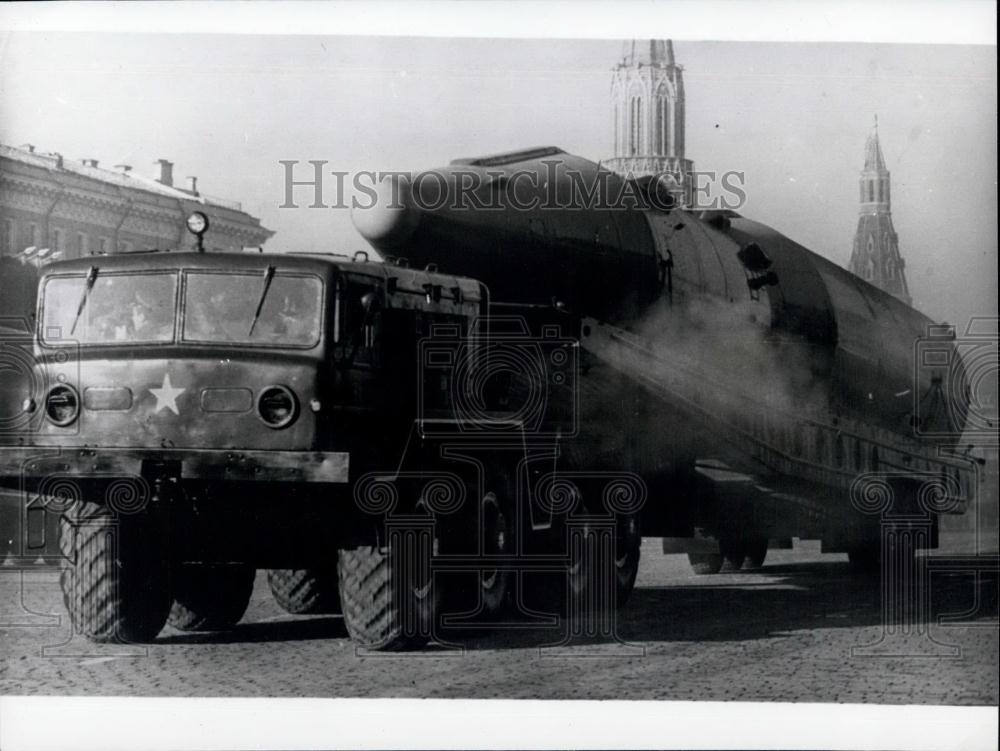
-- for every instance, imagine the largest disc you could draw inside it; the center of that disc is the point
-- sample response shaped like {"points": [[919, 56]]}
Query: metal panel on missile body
{"points": [[711, 319], [800, 301], [704, 258], [714, 277], [872, 336]]}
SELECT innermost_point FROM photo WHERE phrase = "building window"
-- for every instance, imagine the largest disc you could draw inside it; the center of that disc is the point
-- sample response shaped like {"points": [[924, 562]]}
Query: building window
{"points": [[32, 235], [661, 122], [871, 192], [57, 240], [102, 245], [81, 245], [633, 124], [8, 240], [640, 129], [636, 136]]}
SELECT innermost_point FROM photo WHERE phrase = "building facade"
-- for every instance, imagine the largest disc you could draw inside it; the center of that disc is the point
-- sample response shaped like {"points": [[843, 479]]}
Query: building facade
{"points": [[647, 115], [875, 257], [69, 208]]}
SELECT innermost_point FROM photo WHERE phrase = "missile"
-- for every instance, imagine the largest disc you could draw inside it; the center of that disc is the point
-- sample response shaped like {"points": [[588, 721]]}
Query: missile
{"points": [[543, 227]]}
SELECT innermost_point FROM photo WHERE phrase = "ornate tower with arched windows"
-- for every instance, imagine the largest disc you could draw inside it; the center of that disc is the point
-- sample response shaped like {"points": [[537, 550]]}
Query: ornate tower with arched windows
{"points": [[647, 117], [875, 257]]}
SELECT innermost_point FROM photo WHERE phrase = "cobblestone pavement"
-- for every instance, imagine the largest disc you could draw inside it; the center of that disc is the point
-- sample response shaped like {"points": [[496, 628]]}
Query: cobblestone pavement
{"points": [[784, 633]]}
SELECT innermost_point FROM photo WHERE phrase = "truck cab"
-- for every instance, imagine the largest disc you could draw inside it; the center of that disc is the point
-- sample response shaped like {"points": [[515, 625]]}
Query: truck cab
{"points": [[193, 417]]}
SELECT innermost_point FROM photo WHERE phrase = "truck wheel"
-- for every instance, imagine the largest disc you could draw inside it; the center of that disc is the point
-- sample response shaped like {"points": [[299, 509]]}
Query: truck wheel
{"points": [[115, 579], [388, 598], [210, 597], [705, 563], [586, 562], [584, 570], [865, 558], [756, 548], [494, 584], [628, 543], [734, 552], [306, 591]]}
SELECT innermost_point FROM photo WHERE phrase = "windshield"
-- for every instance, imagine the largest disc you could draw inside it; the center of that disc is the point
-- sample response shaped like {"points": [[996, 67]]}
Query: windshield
{"points": [[266, 307], [125, 308]]}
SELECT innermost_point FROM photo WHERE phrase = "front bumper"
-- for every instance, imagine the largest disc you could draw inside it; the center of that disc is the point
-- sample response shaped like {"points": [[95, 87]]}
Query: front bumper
{"points": [[35, 463]]}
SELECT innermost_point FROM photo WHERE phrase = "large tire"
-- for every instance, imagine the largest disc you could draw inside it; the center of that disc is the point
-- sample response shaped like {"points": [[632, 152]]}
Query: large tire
{"points": [[115, 580], [389, 602], [485, 592], [865, 558], [734, 551], [306, 591], [628, 544], [703, 564], [591, 565], [210, 597], [756, 548], [498, 537]]}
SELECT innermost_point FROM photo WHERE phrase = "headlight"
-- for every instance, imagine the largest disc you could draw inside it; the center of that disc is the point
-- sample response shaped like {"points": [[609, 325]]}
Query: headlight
{"points": [[197, 223], [62, 404], [277, 406]]}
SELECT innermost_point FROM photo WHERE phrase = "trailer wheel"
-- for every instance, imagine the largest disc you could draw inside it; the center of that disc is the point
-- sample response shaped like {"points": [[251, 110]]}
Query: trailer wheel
{"points": [[306, 591], [734, 551], [210, 597], [628, 542], [703, 564], [865, 558], [756, 548], [115, 580], [388, 597], [581, 569], [494, 584], [591, 565]]}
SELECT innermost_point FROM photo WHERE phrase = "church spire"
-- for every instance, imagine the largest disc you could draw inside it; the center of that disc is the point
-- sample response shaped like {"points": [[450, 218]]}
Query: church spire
{"points": [[873, 151], [875, 256], [647, 124], [655, 52]]}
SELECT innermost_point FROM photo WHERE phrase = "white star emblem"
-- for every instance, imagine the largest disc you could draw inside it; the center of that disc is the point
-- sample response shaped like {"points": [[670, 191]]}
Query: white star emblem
{"points": [[166, 395]]}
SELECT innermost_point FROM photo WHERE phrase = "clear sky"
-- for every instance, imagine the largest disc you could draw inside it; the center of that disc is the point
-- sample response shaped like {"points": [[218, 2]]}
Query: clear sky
{"points": [[793, 117]]}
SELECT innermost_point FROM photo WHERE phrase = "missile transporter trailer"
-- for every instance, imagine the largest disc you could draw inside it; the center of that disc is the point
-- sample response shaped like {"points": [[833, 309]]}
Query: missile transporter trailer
{"points": [[759, 390]]}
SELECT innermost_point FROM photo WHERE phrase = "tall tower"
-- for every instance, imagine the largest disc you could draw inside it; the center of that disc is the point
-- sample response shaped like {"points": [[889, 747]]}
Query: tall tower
{"points": [[875, 257], [647, 120]]}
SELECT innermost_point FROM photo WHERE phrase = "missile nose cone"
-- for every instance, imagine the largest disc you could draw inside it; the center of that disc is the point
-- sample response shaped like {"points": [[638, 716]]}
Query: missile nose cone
{"points": [[389, 218]]}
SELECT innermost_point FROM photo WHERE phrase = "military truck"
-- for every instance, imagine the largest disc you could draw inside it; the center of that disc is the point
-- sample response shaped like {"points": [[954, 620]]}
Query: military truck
{"points": [[199, 416], [424, 450]]}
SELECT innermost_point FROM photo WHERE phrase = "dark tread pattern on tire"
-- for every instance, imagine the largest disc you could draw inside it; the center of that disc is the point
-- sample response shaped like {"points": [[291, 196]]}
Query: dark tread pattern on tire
{"points": [[371, 608], [210, 597], [305, 591], [114, 584]]}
